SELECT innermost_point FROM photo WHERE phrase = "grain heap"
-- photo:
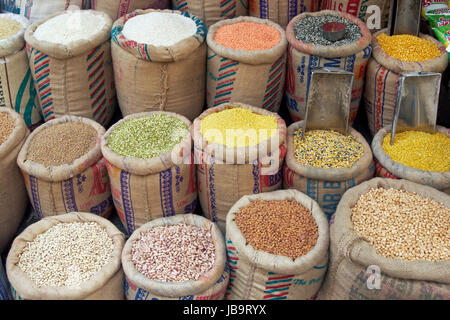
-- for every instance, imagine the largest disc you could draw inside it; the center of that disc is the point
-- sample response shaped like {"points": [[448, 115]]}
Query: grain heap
{"points": [[408, 48], [8, 28], [6, 127]]}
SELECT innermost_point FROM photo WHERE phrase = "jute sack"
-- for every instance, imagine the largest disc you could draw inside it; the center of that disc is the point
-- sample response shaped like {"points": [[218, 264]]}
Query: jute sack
{"points": [[212, 11], [117, 8], [5, 291], [147, 189], [281, 11], [325, 185], [252, 77], [13, 195], [76, 79], [106, 284], [226, 174], [150, 78], [258, 275], [36, 10], [387, 168], [383, 74], [304, 57], [351, 256], [17, 90], [80, 186], [211, 286]]}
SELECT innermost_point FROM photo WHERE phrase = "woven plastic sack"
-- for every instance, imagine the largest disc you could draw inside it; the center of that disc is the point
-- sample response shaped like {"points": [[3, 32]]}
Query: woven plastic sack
{"points": [[118, 8], [36, 10], [252, 77], [80, 186], [106, 284], [210, 286], [10, 6], [147, 189], [325, 185], [258, 275], [351, 256], [5, 291]]}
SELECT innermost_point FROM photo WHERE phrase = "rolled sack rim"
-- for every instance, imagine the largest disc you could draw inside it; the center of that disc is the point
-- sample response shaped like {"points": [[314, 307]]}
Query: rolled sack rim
{"points": [[14, 43], [438, 180], [176, 289], [359, 251], [181, 153], [438, 64], [253, 57], [17, 135], [151, 53], [27, 289], [276, 263], [64, 171], [73, 49], [329, 174], [329, 51]]}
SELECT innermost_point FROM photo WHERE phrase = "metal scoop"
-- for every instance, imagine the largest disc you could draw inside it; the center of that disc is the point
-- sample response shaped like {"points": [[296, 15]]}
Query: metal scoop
{"points": [[404, 17], [417, 103]]}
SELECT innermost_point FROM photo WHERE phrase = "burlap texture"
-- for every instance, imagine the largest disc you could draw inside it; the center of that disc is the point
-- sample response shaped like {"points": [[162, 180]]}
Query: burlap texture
{"points": [[117, 8], [106, 284], [350, 257], [5, 291]]}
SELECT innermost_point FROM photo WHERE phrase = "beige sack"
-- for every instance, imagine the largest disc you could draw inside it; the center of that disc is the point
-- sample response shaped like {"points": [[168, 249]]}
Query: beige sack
{"points": [[147, 189], [36, 10], [252, 77], [304, 57], [106, 284], [80, 186], [211, 286], [118, 8], [258, 275], [351, 257], [150, 78], [76, 79], [13, 195]]}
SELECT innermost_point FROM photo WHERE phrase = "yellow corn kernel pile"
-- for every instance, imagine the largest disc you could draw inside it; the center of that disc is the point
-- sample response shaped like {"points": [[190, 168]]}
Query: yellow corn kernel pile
{"points": [[8, 28], [408, 48], [421, 150]]}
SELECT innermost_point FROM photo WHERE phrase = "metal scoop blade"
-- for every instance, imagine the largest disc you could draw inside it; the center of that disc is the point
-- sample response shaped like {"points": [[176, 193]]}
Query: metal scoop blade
{"points": [[404, 17]]}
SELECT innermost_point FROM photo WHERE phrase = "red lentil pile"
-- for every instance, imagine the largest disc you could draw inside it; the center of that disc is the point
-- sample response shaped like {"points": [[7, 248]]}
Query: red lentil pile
{"points": [[6, 127], [279, 227]]}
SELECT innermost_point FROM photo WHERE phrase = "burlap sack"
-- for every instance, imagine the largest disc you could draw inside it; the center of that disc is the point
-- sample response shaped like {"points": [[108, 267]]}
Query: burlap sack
{"points": [[212, 11], [351, 257], [5, 291], [117, 8], [326, 186], [211, 286], [226, 174], [36, 10], [80, 186], [13, 195], [76, 79], [388, 168], [150, 78], [304, 57], [252, 77], [147, 189], [383, 74], [106, 284], [258, 275], [281, 11]]}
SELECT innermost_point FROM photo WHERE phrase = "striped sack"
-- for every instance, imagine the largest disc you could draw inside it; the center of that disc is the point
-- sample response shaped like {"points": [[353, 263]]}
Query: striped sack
{"points": [[5, 291], [36, 10], [80, 186], [118, 8], [252, 77], [147, 189], [304, 57], [258, 275]]}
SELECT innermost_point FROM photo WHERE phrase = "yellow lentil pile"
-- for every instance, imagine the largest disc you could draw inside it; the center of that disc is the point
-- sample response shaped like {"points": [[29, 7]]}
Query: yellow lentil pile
{"points": [[420, 150], [408, 48], [238, 127], [8, 28], [6, 127], [402, 224]]}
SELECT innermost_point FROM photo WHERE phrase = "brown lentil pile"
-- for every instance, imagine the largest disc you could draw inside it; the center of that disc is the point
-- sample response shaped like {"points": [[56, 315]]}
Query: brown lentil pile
{"points": [[279, 227], [6, 127], [62, 143], [402, 224], [174, 253], [67, 254]]}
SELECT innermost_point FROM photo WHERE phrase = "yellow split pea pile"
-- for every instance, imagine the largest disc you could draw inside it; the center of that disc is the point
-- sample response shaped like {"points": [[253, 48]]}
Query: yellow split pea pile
{"points": [[408, 48]]}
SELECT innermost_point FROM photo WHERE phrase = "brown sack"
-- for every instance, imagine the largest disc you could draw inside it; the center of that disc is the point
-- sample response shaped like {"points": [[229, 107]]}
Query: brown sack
{"points": [[147, 189], [80, 186], [258, 275], [252, 77], [118, 8], [326, 186], [210, 286], [351, 257], [106, 284], [150, 78], [13, 195], [75, 79]]}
